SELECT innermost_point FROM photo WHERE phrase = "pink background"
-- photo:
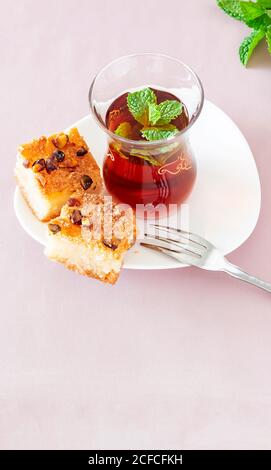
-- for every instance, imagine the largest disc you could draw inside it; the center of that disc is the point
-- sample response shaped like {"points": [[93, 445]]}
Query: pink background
{"points": [[177, 359]]}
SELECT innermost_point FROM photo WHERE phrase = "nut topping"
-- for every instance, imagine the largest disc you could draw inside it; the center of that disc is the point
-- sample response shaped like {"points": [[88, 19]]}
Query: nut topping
{"points": [[76, 217], [73, 202], [81, 152], [26, 163], [110, 245], [60, 141], [54, 228], [51, 164], [59, 155], [86, 182], [38, 165]]}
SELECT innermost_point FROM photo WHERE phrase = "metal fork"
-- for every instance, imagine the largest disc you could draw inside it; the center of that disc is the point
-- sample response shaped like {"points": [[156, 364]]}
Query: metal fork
{"points": [[189, 248]]}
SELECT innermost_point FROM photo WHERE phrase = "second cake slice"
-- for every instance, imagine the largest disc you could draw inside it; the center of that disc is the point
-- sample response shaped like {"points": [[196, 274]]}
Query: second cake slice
{"points": [[91, 236]]}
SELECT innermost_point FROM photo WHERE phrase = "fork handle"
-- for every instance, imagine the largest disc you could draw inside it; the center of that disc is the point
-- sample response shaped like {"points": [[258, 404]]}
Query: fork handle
{"points": [[236, 272]]}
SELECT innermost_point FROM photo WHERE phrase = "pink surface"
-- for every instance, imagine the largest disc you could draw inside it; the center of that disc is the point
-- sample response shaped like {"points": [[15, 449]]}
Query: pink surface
{"points": [[170, 359]]}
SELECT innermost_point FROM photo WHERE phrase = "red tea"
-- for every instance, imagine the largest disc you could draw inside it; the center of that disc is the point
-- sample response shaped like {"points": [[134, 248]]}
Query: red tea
{"points": [[138, 179]]}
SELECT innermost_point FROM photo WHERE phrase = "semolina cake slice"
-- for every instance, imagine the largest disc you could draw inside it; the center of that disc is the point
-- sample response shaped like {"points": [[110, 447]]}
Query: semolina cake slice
{"points": [[48, 170], [91, 236]]}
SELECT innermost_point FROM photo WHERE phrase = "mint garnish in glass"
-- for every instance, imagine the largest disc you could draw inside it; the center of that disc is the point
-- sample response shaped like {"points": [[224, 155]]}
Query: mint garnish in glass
{"points": [[146, 115]]}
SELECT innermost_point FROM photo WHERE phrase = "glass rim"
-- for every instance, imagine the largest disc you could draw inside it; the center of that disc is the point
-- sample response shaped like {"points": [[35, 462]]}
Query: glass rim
{"points": [[141, 143]]}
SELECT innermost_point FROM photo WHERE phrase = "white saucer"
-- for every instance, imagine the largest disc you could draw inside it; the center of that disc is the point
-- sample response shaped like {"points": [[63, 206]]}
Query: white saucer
{"points": [[225, 203]]}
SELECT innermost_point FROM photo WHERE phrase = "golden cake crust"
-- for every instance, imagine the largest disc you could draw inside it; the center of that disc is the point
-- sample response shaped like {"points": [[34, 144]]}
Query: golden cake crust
{"points": [[68, 174]]}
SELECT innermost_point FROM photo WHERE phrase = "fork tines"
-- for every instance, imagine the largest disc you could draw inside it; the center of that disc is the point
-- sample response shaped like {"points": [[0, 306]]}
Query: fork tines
{"points": [[184, 234]]}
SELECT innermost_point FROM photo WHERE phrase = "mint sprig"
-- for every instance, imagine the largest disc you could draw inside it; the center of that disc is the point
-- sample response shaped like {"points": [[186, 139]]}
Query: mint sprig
{"points": [[256, 15], [154, 118]]}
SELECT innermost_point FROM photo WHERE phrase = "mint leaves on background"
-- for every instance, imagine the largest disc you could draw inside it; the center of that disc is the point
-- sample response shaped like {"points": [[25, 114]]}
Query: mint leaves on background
{"points": [[248, 45], [256, 15], [251, 10], [265, 3], [232, 8], [154, 118]]}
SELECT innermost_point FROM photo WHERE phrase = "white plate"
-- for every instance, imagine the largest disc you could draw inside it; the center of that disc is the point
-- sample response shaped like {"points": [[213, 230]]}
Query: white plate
{"points": [[225, 203]]}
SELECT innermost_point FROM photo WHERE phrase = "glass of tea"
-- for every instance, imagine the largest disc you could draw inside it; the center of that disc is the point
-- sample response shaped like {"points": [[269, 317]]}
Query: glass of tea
{"points": [[147, 104]]}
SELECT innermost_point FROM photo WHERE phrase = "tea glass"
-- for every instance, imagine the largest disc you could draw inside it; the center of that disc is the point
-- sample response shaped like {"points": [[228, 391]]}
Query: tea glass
{"points": [[148, 175]]}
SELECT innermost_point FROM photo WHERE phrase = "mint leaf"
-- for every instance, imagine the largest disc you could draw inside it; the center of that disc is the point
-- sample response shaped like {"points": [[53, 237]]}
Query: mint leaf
{"points": [[251, 10], [259, 23], [268, 39], [154, 113], [232, 8], [124, 130], [248, 45], [169, 110], [265, 4], [158, 133], [138, 102]]}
